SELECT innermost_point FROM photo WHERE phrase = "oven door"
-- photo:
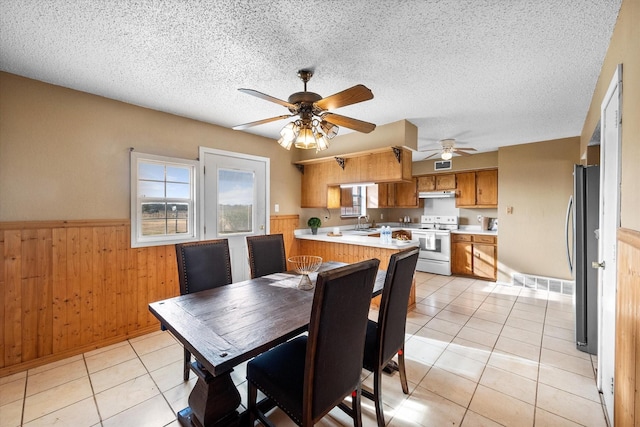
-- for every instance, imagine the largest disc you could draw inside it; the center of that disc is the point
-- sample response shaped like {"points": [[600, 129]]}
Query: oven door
{"points": [[434, 244]]}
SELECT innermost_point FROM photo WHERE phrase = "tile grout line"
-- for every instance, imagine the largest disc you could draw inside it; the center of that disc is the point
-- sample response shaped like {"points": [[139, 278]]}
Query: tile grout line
{"points": [[93, 393]]}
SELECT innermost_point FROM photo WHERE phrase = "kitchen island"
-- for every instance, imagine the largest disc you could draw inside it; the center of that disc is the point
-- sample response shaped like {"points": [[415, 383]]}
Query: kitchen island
{"points": [[353, 246]]}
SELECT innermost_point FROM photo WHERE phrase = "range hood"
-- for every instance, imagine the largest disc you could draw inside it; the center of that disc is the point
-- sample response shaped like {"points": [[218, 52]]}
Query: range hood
{"points": [[436, 194]]}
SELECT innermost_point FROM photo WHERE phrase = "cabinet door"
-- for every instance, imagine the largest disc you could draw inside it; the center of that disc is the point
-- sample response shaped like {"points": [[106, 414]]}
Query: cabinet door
{"points": [[487, 188], [446, 181], [383, 195], [406, 194], [427, 183], [461, 258], [484, 261], [466, 189], [333, 197], [314, 188]]}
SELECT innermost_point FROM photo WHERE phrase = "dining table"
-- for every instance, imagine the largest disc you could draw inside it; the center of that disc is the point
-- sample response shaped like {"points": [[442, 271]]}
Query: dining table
{"points": [[226, 326]]}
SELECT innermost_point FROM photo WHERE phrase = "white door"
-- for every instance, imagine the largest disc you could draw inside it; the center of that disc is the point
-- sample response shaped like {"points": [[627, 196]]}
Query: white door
{"points": [[236, 196], [607, 244]]}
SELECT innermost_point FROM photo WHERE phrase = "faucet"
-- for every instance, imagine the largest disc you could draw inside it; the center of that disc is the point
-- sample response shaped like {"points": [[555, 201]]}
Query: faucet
{"points": [[359, 225]]}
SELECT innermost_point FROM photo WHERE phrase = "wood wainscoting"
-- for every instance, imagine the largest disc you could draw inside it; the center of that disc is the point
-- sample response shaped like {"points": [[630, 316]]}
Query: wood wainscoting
{"points": [[352, 253], [627, 368], [67, 287]]}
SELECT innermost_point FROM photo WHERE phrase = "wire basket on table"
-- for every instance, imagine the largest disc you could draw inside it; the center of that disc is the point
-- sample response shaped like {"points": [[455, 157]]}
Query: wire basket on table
{"points": [[303, 265]]}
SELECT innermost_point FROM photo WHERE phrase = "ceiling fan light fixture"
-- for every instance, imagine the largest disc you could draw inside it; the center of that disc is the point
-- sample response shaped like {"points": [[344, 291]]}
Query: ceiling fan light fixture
{"points": [[330, 130], [305, 139], [321, 141], [446, 155]]}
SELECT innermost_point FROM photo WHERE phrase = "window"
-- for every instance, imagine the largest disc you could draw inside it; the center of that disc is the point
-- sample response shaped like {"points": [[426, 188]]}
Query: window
{"points": [[358, 201], [235, 201], [163, 197]]}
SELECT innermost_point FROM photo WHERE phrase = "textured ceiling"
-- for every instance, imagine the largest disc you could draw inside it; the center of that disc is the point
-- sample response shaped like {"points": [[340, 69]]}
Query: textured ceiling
{"points": [[487, 72]]}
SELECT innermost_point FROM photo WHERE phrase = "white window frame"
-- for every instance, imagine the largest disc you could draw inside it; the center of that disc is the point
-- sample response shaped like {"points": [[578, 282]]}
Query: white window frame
{"points": [[363, 202], [137, 239]]}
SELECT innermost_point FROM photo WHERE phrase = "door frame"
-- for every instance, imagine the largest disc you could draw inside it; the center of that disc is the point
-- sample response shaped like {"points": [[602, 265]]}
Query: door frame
{"points": [[606, 353]]}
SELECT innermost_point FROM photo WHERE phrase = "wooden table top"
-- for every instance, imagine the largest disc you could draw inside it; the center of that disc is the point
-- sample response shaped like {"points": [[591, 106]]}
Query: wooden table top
{"points": [[226, 326]]}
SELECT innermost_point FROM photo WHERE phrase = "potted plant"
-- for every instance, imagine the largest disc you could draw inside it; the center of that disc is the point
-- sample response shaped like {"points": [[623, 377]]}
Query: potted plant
{"points": [[314, 223]]}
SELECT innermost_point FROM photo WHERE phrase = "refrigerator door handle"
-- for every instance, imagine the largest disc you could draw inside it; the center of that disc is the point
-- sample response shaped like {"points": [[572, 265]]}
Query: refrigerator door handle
{"points": [[566, 231]]}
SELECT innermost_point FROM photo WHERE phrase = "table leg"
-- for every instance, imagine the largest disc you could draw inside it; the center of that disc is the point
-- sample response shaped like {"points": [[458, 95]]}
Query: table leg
{"points": [[212, 402]]}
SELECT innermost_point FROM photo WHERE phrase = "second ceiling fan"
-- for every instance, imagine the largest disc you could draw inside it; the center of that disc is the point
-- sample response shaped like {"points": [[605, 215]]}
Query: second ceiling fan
{"points": [[448, 148], [315, 125]]}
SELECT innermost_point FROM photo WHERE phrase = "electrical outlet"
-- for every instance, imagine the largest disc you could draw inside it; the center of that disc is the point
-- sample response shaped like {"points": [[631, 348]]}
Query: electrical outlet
{"points": [[276, 208], [479, 218], [381, 216]]}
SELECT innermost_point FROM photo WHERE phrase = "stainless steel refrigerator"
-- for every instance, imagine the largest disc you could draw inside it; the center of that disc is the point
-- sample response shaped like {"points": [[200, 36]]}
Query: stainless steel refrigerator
{"points": [[584, 212]]}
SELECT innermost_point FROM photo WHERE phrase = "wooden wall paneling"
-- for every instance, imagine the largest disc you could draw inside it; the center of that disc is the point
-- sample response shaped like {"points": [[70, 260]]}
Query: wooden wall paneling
{"points": [[3, 288], [60, 297], [98, 306], [627, 351], [12, 298], [74, 304], [45, 295], [122, 280], [286, 225], [29, 298], [86, 285], [110, 281]]}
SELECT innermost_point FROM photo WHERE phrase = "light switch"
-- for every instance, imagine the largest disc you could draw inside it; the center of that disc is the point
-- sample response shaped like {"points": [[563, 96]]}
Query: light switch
{"points": [[509, 210], [276, 207]]}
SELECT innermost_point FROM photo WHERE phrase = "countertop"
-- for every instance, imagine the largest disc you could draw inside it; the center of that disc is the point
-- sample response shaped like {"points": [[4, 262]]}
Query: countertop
{"points": [[474, 229], [355, 237]]}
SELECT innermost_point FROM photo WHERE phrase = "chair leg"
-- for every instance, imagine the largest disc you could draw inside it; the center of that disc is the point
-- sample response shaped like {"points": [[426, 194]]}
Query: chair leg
{"points": [[187, 364], [403, 373], [251, 403], [377, 395], [356, 408]]}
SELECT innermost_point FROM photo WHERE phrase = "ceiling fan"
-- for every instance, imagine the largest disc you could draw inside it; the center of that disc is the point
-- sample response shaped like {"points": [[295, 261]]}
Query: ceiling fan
{"points": [[315, 125], [448, 148]]}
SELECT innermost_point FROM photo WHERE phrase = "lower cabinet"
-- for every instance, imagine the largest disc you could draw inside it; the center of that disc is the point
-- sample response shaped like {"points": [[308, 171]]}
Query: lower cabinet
{"points": [[474, 255]]}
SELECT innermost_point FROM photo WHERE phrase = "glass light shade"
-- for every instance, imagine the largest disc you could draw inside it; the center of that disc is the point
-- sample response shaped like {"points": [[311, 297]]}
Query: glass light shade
{"points": [[286, 143], [305, 139], [329, 129], [447, 155], [321, 141]]}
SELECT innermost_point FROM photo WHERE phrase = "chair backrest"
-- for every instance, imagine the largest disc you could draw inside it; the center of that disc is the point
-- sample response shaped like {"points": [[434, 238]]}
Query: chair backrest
{"points": [[392, 315], [266, 254], [337, 331], [203, 265]]}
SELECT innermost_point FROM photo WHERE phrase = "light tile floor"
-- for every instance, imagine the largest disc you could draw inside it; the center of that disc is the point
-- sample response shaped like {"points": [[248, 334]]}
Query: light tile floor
{"points": [[478, 354]]}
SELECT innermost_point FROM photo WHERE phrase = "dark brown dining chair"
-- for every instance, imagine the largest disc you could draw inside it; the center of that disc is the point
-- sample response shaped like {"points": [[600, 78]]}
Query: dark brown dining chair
{"points": [[201, 266], [385, 338], [310, 375], [266, 254]]}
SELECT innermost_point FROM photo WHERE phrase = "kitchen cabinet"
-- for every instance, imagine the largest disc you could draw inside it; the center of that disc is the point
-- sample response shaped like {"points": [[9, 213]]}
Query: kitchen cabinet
{"points": [[474, 255], [394, 195], [477, 189], [437, 182], [445, 181], [385, 165], [427, 183]]}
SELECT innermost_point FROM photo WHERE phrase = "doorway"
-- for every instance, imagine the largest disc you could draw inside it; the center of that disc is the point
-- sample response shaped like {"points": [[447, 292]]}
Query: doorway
{"points": [[235, 197], [610, 138]]}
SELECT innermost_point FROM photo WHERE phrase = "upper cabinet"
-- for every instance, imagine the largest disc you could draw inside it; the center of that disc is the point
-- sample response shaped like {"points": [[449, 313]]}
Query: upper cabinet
{"points": [[438, 182], [477, 189], [393, 195], [319, 175]]}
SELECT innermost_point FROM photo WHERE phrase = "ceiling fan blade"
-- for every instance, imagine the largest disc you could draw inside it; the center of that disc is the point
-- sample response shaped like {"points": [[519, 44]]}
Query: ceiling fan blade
{"points": [[353, 95], [348, 122], [465, 149], [462, 153], [433, 155], [261, 122], [269, 98]]}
